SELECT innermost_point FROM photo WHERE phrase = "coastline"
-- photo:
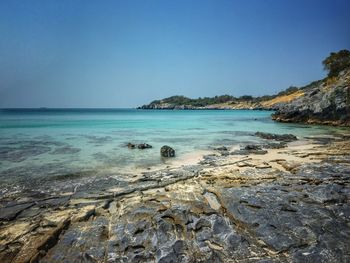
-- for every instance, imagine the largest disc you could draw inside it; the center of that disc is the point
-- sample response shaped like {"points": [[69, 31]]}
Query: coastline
{"points": [[230, 205], [325, 102], [175, 132]]}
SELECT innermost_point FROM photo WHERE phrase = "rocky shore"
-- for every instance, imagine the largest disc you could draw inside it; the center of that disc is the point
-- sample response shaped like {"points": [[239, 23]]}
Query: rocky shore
{"points": [[278, 201], [325, 102]]}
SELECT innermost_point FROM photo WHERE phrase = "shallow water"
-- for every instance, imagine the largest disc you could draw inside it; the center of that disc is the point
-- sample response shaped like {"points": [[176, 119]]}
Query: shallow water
{"points": [[52, 144]]}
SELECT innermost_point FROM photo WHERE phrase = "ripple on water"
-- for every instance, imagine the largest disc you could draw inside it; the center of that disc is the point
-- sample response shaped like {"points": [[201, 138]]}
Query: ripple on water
{"points": [[98, 139], [66, 150], [21, 153]]}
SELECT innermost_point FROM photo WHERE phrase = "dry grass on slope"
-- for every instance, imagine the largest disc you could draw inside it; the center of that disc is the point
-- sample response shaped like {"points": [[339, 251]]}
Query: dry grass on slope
{"points": [[283, 99]]}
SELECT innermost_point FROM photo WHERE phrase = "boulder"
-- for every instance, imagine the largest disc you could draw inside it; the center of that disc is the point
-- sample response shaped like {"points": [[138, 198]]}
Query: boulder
{"points": [[167, 151], [144, 146]]}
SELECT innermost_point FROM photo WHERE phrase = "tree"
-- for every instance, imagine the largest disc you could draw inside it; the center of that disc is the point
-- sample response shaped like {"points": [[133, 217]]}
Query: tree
{"points": [[246, 97], [336, 62], [288, 91]]}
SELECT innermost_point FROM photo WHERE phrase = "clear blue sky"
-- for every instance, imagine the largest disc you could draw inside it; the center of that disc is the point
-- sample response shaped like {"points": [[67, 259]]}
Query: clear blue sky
{"points": [[70, 53]]}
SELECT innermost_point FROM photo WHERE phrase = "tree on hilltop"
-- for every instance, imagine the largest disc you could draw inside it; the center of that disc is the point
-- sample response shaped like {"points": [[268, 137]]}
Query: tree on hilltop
{"points": [[336, 62]]}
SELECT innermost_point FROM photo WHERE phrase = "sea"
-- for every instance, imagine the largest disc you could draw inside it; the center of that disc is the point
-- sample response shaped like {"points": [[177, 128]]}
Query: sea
{"points": [[40, 145]]}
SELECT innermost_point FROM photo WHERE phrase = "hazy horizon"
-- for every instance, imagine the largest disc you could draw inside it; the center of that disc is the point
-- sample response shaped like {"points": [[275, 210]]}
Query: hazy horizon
{"points": [[123, 54]]}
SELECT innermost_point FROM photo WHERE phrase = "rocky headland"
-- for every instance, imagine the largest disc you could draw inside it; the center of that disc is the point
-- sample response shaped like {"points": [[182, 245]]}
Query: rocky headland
{"points": [[325, 101], [281, 200]]}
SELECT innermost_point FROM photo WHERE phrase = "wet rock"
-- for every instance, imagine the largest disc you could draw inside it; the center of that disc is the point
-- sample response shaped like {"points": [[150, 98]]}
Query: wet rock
{"points": [[144, 146], [131, 145], [210, 212], [253, 147], [249, 149], [140, 146], [273, 145], [221, 148], [167, 151], [277, 137]]}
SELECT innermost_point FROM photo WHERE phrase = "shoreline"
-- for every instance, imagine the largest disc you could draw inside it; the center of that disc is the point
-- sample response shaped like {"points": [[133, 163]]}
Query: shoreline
{"points": [[205, 209]]}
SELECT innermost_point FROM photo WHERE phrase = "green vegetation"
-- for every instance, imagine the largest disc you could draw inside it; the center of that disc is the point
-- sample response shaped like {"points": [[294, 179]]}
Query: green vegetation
{"points": [[288, 91], [206, 101], [336, 62], [200, 102]]}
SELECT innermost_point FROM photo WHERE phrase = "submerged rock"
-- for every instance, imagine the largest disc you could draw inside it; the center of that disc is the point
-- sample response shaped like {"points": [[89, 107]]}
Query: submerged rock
{"points": [[144, 146], [131, 145], [277, 137], [222, 210], [66, 150], [140, 146], [167, 151], [221, 148]]}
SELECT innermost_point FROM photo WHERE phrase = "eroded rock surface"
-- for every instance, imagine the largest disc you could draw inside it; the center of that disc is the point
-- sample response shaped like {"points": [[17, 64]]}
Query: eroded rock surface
{"points": [[228, 208], [326, 102]]}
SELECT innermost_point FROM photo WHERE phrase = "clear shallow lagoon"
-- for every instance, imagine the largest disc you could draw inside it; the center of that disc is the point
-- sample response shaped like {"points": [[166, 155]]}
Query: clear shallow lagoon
{"points": [[44, 144]]}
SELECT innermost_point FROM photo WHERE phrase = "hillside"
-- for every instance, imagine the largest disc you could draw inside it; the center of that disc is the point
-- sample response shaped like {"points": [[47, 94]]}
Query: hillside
{"points": [[225, 102], [325, 101]]}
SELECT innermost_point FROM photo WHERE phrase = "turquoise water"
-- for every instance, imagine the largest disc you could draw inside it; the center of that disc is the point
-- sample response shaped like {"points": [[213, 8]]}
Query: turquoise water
{"points": [[47, 144]]}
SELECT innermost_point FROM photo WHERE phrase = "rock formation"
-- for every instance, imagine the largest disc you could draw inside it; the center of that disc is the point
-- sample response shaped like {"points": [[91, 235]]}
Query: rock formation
{"points": [[167, 151], [326, 102], [140, 146], [225, 209]]}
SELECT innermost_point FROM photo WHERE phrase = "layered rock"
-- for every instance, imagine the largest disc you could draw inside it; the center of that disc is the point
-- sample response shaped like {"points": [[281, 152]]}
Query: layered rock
{"points": [[226, 209], [326, 102], [277, 137]]}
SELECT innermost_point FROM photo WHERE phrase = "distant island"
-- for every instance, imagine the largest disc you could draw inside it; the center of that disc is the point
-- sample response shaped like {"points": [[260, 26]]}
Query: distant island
{"points": [[325, 101]]}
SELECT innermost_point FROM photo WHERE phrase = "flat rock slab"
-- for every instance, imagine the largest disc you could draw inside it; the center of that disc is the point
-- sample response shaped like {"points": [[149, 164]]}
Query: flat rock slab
{"points": [[307, 221], [226, 209], [11, 212]]}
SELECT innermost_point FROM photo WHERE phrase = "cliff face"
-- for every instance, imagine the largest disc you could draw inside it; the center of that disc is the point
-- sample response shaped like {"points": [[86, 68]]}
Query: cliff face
{"points": [[326, 102]]}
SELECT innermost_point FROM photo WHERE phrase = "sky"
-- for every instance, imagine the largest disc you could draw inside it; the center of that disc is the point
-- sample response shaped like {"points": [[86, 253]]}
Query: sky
{"points": [[72, 53]]}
